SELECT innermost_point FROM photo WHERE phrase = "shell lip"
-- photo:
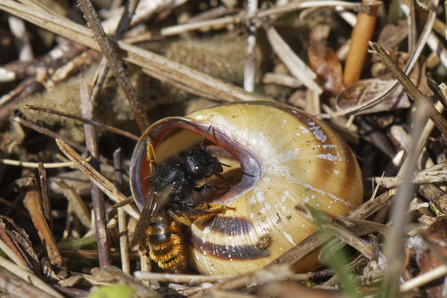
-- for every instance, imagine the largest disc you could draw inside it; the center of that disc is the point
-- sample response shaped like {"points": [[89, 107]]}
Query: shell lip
{"points": [[251, 165]]}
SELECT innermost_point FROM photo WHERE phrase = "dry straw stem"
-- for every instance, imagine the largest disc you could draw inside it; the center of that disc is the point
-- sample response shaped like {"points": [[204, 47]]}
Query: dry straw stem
{"points": [[362, 33], [153, 63], [411, 89], [424, 278], [105, 185]]}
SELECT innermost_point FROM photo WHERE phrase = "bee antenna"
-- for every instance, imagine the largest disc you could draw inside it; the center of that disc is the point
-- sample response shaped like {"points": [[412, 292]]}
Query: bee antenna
{"points": [[204, 137], [225, 165]]}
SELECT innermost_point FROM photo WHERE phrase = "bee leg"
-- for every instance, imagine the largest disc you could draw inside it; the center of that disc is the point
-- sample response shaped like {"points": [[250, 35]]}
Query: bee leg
{"points": [[181, 218]]}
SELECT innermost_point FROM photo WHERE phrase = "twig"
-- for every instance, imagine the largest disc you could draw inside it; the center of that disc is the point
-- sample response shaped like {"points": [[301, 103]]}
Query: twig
{"points": [[97, 196], [33, 203], [46, 203], [250, 60], [84, 120], [399, 212], [48, 133], [114, 63], [122, 220]]}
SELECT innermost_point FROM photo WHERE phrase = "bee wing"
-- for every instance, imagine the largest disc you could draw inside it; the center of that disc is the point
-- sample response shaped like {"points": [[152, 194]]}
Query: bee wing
{"points": [[150, 209]]}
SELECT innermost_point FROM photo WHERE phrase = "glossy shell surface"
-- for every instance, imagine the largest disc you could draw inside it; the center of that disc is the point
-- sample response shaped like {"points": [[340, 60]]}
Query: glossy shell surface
{"points": [[290, 159]]}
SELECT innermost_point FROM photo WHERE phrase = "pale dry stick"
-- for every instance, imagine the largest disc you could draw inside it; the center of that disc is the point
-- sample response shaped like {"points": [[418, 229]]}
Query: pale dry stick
{"points": [[146, 9], [412, 90], [114, 63], [399, 210], [281, 79], [28, 164], [412, 61], [181, 278], [250, 60], [105, 185], [145, 262], [122, 220], [346, 15], [29, 277], [146, 59], [423, 278], [296, 66], [80, 209], [96, 194], [218, 23], [21, 39], [18, 261], [292, 6], [437, 47]]}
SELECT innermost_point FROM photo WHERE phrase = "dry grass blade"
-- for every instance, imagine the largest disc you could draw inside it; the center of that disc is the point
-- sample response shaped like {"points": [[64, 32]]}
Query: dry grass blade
{"points": [[105, 185]]}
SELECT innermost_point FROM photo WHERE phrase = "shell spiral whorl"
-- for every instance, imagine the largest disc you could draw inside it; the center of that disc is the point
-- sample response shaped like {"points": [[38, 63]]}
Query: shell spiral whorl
{"points": [[289, 157]]}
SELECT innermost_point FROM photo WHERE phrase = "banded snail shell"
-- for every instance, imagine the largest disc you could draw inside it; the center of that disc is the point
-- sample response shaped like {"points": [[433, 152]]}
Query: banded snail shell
{"points": [[288, 158]]}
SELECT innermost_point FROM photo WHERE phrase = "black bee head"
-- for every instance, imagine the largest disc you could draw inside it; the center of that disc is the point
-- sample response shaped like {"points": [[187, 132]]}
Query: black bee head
{"points": [[200, 164]]}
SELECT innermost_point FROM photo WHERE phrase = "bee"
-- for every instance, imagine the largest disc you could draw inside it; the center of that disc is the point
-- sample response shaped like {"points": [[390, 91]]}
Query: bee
{"points": [[175, 199]]}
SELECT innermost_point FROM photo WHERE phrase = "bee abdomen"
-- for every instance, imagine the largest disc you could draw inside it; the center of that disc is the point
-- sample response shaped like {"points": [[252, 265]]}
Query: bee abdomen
{"points": [[165, 241]]}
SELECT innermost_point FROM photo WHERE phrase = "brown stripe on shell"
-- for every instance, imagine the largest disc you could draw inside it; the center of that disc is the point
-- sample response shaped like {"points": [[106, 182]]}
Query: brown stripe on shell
{"points": [[351, 168], [227, 225], [303, 118], [227, 252]]}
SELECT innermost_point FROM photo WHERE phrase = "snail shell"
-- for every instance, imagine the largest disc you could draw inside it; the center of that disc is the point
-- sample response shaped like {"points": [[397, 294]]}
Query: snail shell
{"points": [[288, 158]]}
